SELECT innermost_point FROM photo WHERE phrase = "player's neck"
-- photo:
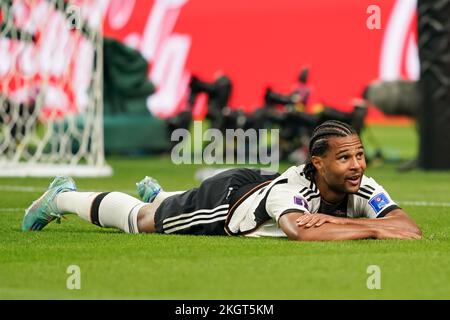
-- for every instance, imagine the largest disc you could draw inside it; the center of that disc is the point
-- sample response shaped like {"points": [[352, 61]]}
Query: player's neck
{"points": [[326, 193]]}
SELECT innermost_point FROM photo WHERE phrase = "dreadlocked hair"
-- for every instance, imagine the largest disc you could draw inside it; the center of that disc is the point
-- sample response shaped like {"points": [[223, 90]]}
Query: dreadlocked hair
{"points": [[318, 144]]}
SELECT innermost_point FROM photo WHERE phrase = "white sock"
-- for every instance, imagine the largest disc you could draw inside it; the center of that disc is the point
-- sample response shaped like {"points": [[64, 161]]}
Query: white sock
{"points": [[76, 202], [114, 209]]}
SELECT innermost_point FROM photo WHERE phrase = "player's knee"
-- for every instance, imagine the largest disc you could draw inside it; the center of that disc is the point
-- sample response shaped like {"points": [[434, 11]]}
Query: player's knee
{"points": [[146, 220]]}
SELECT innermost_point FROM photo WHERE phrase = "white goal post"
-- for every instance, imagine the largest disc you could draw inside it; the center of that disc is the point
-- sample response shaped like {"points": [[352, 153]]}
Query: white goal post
{"points": [[51, 88]]}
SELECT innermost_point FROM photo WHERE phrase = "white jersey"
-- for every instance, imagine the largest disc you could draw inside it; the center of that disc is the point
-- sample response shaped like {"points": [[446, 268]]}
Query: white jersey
{"points": [[258, 211]]}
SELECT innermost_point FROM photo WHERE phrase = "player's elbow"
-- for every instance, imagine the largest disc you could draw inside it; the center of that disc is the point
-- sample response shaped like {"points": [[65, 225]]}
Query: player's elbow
{"points": [[412, 227], [289, 226], [404, 221], [297, 233], [417, 230], [305, 234]]}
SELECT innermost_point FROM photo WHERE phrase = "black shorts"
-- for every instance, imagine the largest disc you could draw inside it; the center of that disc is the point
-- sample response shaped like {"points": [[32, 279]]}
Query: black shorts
{"points": [[203, 210]]}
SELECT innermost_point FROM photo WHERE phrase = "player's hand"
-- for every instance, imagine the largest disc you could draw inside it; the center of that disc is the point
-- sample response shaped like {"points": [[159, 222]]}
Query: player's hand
{"points": [[317, 219]]}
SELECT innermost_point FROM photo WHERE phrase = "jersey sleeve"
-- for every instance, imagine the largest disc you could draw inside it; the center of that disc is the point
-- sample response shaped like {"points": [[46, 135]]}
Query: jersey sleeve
{"points": [[375, 201], [282, 200]]}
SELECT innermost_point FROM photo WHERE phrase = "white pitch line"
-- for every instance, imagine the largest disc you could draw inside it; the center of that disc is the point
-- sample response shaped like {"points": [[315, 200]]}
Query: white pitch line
{"points": [[20, 188], [424, 204], [34, 189], [11, 209]]}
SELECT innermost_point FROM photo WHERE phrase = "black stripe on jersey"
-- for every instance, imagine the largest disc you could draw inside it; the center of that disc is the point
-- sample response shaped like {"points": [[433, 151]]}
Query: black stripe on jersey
{"points": [[366, 191], [238, 203], [262, 190], [289, 211], [311, 184], [303, 190], [362, 195], [309, 193], [260, 213], [387, 210], [313, 196], [367, 188]]}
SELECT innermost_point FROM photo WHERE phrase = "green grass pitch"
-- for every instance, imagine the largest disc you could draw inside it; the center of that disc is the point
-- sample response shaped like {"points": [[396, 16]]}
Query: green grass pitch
{"points": [[115, 265]]}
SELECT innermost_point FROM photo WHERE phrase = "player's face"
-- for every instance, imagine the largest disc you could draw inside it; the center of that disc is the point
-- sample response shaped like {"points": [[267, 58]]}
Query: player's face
{"points": [[343, 165]]}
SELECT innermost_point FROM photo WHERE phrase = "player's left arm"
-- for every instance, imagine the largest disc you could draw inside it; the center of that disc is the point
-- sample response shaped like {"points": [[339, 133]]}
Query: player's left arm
{"points": [[395, 218]]}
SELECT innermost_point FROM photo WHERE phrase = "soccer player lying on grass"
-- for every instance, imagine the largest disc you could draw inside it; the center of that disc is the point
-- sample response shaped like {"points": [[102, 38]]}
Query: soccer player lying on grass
{"points": [[328, 198]]}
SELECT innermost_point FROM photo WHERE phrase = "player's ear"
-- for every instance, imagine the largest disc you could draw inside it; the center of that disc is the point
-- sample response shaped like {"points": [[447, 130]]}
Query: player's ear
{"points": [[317, 162]]}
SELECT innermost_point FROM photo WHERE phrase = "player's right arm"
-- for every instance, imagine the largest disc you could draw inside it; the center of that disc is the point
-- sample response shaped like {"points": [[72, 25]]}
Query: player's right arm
{"points": [[333, 231]]}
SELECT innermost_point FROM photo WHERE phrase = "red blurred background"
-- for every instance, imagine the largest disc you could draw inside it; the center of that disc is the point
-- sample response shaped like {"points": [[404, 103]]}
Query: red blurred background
{"points": [[266, 43]]}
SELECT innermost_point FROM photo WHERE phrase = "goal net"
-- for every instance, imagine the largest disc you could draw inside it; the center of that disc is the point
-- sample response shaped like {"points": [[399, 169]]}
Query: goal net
{"points": [[51, 69]]}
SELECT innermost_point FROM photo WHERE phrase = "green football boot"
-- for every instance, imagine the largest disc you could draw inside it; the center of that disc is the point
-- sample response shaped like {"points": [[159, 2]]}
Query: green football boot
{"points": [[44, 210], [148, 188]]}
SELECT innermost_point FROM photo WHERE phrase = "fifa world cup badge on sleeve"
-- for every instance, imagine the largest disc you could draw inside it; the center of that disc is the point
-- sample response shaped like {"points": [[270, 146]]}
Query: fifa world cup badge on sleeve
{"points": [[379, 202], [301, 202]]}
